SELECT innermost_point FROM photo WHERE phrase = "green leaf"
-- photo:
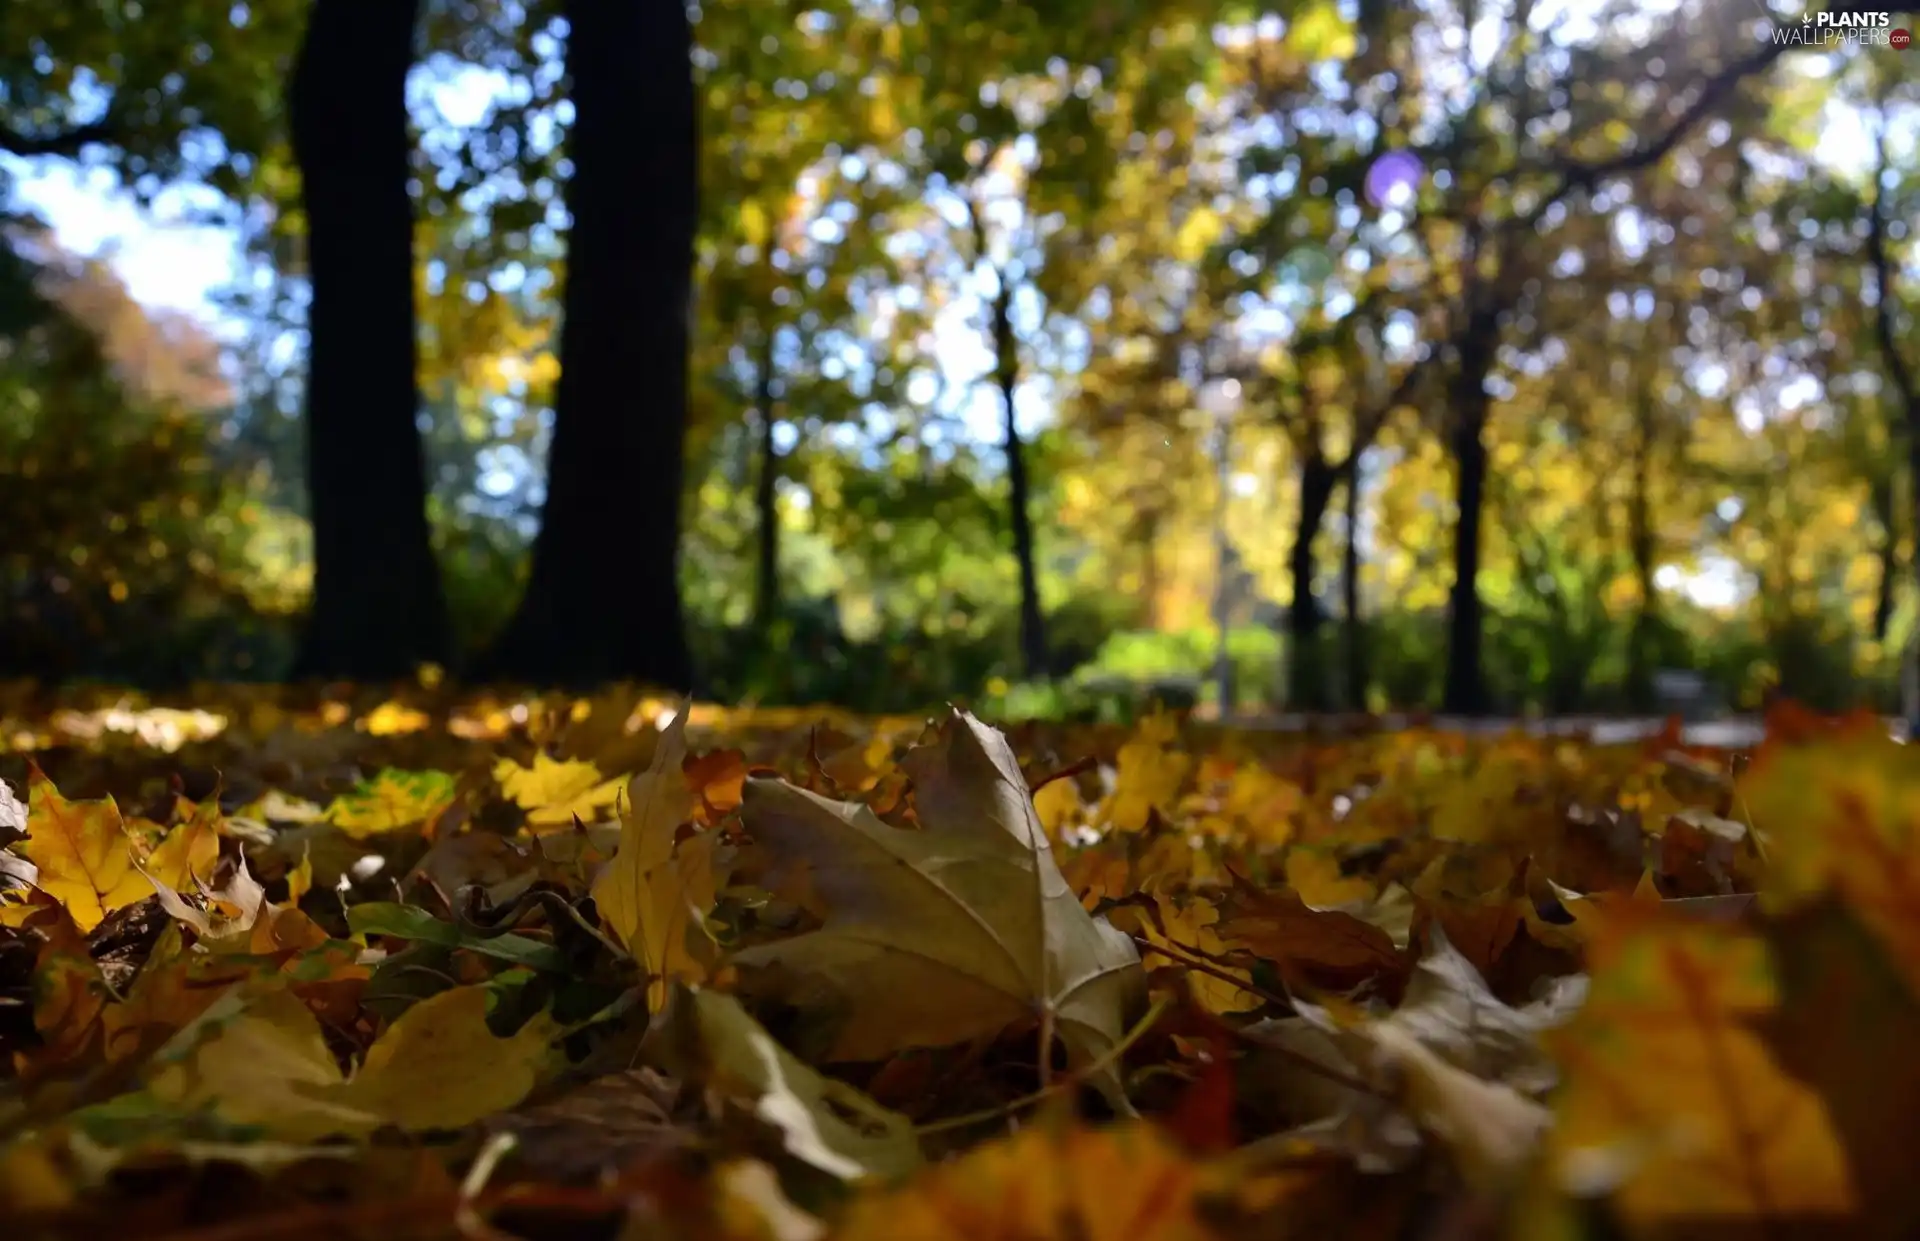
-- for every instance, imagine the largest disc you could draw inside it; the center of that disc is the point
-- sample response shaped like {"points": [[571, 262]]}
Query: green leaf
{"points": [[409, 922]]}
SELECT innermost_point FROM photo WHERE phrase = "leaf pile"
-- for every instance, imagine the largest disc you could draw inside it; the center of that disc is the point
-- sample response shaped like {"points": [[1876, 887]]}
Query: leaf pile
{"points": [[526, 967]]}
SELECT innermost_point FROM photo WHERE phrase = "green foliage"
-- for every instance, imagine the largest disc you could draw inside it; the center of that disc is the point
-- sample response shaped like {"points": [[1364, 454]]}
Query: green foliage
{"points": [[128, 547]]}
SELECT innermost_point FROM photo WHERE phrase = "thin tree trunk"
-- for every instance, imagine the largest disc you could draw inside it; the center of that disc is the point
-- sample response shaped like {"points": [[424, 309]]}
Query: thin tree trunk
{"points": [[1465, 692], [1882, 498], [1353, 632], [1640, 538], [1306, 684], [378, 606], [603, 597], [1033, 633], [766, 593]]}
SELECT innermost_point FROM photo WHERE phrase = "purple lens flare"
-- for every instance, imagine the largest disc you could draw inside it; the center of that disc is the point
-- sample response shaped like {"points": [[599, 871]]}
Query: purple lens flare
{"points": [[1394, 180]]}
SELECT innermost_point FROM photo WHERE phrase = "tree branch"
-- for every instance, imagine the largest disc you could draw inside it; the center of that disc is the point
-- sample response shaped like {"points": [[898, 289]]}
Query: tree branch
{"points": [[1578, 176], [67, 143]]}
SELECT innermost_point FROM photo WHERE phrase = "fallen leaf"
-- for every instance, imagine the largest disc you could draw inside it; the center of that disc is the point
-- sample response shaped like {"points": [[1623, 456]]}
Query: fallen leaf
{"points": [[260, 1062], [1671, 1102], [391, 801], [1049, 1182], [707, 1037], [970, 916], [83, 852], [654, 894], [554, 793]]}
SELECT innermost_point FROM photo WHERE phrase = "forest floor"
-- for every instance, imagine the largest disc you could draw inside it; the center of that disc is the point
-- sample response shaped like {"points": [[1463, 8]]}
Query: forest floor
{"points": [[401, 962]]}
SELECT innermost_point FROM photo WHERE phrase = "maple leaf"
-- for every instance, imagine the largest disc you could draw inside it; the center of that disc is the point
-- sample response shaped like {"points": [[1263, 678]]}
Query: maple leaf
{"points": [[554, 793], [1841, 812], [1671, 1101], [655, 893], [970, 916], [391, 801], [1183, 930], [1147, 774], [82, 851]]}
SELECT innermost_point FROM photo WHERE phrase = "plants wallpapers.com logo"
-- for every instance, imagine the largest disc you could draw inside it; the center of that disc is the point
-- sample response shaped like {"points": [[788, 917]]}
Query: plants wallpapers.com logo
{"points": [[1832, 29]]}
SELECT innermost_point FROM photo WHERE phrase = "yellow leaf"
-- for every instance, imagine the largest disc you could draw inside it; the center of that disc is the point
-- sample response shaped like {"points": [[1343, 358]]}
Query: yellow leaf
{"points": [[391, 719], [391, 801], [1148, 774], [653, 894], [1058, 804], [555, 792], [83, 852], [268, 1065], [1192, 929], [440, 1067], [1316, 877], [300, 878], [1670, 1100], [1049, 1182], [1841, 813], [188, 853]]}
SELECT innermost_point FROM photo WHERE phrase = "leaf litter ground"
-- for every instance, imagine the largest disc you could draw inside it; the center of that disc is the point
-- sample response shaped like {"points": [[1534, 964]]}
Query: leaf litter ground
{"points": [[415, 964]]}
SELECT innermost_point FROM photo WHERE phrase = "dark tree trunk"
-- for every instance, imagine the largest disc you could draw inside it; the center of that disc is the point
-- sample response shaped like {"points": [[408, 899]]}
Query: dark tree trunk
{"points": [[1354, 643], [603, 597], [1889, 555], [1033, 629], [1465, 692], [1906, 391], [1640, 538], [766, 587], [378, 608], [1306, 683]]}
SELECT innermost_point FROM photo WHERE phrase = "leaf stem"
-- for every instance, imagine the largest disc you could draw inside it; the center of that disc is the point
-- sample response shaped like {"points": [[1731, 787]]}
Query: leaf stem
{"points": [[1104, 1062]]}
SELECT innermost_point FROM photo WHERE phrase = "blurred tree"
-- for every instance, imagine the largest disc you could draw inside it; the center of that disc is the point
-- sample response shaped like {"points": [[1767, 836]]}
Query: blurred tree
{"points": [[125, 550]]}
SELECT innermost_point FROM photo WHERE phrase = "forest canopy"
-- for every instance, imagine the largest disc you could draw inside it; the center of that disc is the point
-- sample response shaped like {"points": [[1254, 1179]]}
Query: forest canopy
{"points": [[1493, 358]]}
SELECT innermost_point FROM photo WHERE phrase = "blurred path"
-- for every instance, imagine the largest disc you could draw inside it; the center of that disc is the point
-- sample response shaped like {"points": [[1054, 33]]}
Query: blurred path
{"points": [[1731, 732]]}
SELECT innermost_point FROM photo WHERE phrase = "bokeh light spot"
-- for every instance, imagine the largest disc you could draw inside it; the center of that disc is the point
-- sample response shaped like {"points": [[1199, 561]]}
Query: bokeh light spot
{"points": [[1307, 264], [1394, 180]]}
